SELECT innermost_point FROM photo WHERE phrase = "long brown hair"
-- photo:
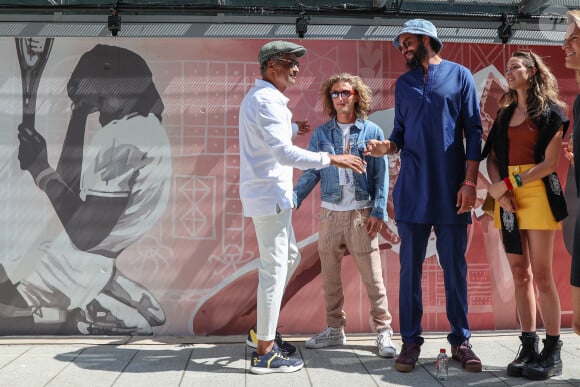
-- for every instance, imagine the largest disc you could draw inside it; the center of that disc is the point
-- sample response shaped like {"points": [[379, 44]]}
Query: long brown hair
{"points": [[543, 86]]}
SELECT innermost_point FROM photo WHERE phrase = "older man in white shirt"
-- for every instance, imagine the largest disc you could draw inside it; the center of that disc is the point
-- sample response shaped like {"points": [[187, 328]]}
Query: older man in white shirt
{"points": [[267, 159]]}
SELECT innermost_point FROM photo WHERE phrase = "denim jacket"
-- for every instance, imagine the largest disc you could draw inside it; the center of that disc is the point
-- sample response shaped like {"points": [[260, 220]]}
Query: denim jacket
{"points": [[372, 185]]}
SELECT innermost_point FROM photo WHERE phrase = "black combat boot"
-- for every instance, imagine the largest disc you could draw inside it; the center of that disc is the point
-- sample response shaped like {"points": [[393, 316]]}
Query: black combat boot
{"points": [[527, 354], [548, 364]]}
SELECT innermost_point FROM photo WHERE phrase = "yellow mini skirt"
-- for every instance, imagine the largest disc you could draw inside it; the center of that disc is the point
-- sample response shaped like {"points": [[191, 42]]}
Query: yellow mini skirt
{"points": [[533, 210]]}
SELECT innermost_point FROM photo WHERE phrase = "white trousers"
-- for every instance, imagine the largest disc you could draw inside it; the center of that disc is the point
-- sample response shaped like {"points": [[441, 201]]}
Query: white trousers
{"points": [[279, 258]]}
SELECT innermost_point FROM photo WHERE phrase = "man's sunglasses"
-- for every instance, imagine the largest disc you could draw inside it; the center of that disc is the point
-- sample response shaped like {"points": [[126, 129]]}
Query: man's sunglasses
{"points": [[290, 62]]}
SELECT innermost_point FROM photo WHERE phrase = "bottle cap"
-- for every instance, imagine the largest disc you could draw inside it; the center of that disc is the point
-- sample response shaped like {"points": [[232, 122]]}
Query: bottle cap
{"points": [[442, 350]]}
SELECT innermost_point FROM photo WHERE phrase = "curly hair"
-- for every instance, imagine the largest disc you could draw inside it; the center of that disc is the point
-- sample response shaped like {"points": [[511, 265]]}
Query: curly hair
{"points": [[574, 17], [365, 94], [542, 89]]}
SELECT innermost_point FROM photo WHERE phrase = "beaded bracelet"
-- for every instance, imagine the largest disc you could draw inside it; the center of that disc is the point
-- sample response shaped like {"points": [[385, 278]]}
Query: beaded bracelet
{"points": [[508, 184], [518, 180], [469, 183], [513, 181]]}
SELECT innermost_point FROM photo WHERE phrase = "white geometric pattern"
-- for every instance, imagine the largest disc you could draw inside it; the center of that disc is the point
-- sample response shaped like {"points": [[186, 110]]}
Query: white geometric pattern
{"points": [[197, 221]]}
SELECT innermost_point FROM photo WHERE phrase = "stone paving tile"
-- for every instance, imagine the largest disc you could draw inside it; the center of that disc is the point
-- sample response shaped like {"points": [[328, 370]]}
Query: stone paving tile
{"points": [[224, 361]]}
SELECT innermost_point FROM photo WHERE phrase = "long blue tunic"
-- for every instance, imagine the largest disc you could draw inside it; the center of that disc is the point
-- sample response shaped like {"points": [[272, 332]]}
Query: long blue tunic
{"points": [[433, 117]]}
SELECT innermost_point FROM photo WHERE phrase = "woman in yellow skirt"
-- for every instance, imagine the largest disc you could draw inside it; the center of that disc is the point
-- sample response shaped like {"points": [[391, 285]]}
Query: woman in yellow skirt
{"points": [[522, 150]]}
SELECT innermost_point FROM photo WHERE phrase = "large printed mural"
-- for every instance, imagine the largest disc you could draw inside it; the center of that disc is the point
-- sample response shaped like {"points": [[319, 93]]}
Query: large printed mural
{"points": [[133, 223]]}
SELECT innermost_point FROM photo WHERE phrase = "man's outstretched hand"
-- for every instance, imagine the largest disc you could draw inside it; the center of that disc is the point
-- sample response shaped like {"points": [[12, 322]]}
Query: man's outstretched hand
{"points": [[378, 148], [348, 161]]}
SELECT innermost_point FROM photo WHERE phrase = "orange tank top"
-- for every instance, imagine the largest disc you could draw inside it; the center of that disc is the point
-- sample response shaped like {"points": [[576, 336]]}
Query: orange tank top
{"points": [[522, 139]]}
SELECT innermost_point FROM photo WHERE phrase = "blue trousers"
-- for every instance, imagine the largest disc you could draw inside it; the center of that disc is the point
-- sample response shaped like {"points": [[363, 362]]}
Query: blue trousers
{"points": [[451, 245]]}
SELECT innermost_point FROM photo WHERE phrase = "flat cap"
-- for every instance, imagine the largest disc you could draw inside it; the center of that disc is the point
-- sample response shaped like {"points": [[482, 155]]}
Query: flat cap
{"points": [[276, 47]]}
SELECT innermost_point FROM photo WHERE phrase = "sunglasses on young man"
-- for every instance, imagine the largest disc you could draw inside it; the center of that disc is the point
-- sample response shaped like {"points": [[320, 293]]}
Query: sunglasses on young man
{"points": [[342, 93]]}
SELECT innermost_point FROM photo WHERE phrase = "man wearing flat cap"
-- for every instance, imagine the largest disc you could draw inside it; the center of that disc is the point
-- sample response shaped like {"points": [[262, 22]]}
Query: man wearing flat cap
{"points": [[437, 128], [267, 159]]}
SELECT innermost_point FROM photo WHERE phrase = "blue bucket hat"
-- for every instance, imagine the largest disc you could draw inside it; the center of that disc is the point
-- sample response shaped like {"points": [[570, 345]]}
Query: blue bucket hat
{"points": [[420, 27]]}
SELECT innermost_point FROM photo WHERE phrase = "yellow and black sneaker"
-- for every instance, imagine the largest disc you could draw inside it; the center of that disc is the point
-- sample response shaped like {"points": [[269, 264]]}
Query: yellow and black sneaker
{"points": [[283, 346]]}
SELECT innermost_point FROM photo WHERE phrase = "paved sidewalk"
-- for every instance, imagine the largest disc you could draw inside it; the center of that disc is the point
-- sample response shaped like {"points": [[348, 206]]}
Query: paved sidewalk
{"points": [[224, 361]]}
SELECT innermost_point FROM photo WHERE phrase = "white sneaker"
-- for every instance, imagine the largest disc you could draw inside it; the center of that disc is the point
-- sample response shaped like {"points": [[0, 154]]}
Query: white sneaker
{"points": [[385, 344], [329, 337]]}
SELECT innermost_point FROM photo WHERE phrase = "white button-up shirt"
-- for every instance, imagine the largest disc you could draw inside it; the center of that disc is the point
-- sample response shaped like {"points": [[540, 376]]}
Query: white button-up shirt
{"points": [[267, 155]]}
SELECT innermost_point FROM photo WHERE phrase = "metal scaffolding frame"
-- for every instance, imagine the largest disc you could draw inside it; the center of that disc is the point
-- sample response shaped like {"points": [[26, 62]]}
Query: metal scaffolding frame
{"points": [[492, 21]]}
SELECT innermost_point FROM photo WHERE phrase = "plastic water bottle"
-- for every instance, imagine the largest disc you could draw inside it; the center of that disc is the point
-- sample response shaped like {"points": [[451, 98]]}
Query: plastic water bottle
{"points": [[442, 366]]}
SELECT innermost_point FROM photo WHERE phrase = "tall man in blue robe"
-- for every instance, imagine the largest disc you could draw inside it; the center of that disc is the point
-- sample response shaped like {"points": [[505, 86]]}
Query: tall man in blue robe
{"points": [[437, 129]]}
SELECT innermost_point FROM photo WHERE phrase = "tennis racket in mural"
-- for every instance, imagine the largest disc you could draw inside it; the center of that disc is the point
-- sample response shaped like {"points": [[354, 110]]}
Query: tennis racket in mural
{"points": [[32, 57]]}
